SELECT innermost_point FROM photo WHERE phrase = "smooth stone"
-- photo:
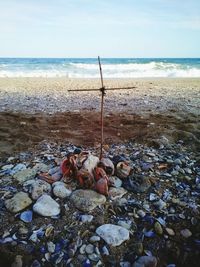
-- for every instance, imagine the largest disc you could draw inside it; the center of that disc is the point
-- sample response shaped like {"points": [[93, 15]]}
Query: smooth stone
{"points": [[146, 261], [177, 162], [87, 200], [170, 231], [17, 168], [38, 188], [94, 257], [125, 224], [186, 233], [18, 261], [61, 191], [7, 167], [41, 167], [158, 228], [115, 181], [89, 249], [51, 246], [116, 193], [18, 202], [160, 204], [90, 163], [46, 206], [26, 216], [108, 166], [123, 170], [82, 249], [105, 251], [94, 238], [86, 218], [141, 213], [24, 175], [113, 235], [139, 184]]}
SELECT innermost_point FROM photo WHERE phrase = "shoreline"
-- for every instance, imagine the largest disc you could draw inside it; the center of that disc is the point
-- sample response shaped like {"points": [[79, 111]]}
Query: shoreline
{"points": [[50, 95]]}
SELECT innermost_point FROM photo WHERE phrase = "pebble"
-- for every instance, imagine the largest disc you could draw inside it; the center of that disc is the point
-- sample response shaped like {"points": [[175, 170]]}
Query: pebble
{"points": [[158, 228], [113, 234], [170, 231], [87, 200], [61, 191], [160, 204], [94, 238], [141, 213], [116, 193], [94, 257], [38, 188], [17, 168], [123, 170], [18, 202], [18, 261], [24, 175], [186, 233], [146, 261], [51, 246], [86, 218], [89, 249], [115, 181], [41, 167], [46, 206]]}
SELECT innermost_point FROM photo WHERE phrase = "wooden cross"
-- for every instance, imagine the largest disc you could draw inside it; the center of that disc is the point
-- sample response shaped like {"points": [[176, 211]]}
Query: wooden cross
{"points": [[102, 89]]}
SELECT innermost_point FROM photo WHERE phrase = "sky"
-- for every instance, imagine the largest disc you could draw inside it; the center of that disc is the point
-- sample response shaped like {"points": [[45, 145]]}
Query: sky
{"points": [[109, 28]]}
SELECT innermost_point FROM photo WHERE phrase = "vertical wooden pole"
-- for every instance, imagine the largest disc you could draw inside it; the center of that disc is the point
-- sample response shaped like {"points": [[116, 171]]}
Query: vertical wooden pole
{"points": [[102, 89]]}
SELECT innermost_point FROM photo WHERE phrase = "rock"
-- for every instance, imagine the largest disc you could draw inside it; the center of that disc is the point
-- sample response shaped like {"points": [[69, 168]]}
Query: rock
{"points": [[41, 167], [94, 238], [138, 184], [113, 235], [186, 233], [123, 170], [145, 261], [94, 257], [18, 261], [177, 162], [158, 228], [141, 213], [18, 202], [108, 166], [61, 191], [46, 206], [90, 163], [115, 193], [86, 218], [170, 231], [17, 168], [51, 246], [89, 249], [160, 204], [87, 200], [125, 224], [26, 216], [115, 181], [38, 188], [24, 175]]}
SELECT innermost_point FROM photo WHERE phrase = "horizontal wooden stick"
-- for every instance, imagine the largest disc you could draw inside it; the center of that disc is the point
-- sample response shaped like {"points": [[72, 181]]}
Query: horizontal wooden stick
{"points": [[99, 89]]}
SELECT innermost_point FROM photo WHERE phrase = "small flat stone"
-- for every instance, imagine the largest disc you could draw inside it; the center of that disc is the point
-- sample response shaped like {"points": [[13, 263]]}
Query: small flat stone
{"points": [[116, 193], [87, 200], [41, 167], [38, 188], [61, 191], [113, 235], [18, 202], [186, 233], [158, 228], [46, 206], [146, 261], [24, 175], [94, 238], [170, 231], [86, 218], [89, 249]]}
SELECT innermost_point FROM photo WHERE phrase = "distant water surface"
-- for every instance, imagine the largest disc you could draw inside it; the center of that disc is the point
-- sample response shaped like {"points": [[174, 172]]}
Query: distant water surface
{"points": [[88, 67]]}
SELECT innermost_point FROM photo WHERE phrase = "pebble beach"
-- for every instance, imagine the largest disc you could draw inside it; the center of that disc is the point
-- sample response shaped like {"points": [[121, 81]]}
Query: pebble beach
{"points": [[150, 215]]}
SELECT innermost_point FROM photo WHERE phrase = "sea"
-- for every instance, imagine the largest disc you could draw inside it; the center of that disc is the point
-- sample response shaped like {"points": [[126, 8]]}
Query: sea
{"points": [[89, 68]]}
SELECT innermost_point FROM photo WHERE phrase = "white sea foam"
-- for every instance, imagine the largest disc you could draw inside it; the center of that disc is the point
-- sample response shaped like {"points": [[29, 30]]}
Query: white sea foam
{"points": [[87, 70]]}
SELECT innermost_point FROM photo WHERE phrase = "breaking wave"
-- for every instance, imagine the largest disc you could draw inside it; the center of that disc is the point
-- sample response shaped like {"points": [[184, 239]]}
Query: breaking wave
{"points": [[112, 68]]}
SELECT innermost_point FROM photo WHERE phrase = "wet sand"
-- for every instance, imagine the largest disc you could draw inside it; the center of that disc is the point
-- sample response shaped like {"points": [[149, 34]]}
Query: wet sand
{"points": [[153, 112]]}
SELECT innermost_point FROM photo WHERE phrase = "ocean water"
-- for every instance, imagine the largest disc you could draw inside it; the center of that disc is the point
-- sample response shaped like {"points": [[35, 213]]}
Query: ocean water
{"points": [[88, 67]]}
